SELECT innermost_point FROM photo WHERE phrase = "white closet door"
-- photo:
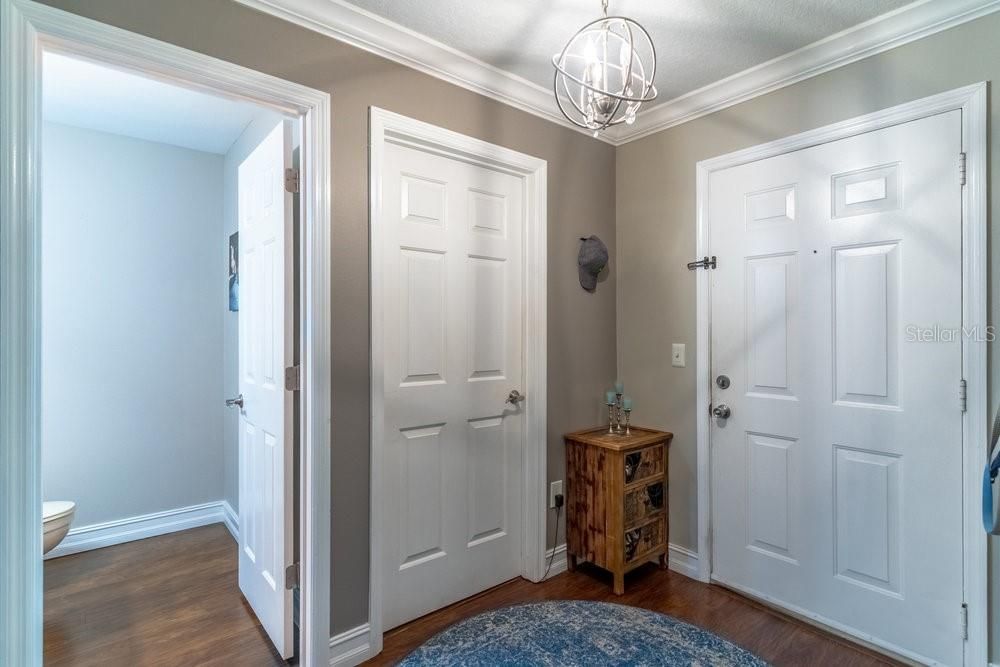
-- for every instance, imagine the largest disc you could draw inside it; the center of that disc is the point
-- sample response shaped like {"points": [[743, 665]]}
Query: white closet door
{"points": [[452, 339]]}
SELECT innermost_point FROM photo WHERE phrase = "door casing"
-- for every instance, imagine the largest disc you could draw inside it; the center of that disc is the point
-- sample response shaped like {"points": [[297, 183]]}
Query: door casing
{"points": [[27, 29], [972, 101], [386, 127]]}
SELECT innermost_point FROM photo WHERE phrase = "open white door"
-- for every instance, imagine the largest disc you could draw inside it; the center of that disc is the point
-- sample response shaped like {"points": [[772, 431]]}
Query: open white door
{"points": [[266, 347]]}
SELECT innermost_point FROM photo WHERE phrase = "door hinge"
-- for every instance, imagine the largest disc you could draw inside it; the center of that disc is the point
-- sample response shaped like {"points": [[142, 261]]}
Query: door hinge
{"points": [[965, 621], [963, 394], [292, 180], [703, 263], [961, 168], [292, 576], [293, 378]]}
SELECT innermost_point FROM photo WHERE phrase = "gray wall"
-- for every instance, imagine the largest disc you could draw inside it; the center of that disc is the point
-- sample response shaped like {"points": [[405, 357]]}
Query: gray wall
{"points": [[131, 332], [581, 201], [656, 218], [252, 135]]}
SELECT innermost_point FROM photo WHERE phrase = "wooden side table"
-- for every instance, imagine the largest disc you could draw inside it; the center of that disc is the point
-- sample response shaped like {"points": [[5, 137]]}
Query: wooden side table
{"points": [[616, 499]]}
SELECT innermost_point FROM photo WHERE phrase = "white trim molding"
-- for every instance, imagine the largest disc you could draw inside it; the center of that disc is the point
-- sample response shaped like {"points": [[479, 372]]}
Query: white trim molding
{"points": [[386, 127], [370, 32], [882, 33], [231, 518], [130, 529], [558, 558], [27, 29], [683, 561], [365, 30], [351, 648], [972, 102]]}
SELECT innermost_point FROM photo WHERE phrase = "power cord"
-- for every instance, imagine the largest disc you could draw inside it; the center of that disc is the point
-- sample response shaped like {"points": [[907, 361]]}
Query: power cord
{"points": [[555, 539]]}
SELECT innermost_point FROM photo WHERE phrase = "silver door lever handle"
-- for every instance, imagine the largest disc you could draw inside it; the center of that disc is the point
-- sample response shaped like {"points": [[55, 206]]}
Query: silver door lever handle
{"points": [[238, 402], [514, 397]]}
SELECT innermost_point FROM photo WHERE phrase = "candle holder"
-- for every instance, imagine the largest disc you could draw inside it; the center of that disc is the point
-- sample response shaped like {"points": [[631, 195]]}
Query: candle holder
{"points": [[618, 413], [628, 416], [611, 418]]}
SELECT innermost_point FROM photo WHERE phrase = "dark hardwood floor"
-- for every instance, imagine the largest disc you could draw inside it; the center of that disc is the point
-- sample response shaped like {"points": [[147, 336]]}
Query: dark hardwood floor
{"points": [[168, 600], [779, 639], [174, 600]]}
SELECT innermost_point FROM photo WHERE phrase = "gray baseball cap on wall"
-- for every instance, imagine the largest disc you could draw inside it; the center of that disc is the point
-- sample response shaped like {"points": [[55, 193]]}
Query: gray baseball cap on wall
{"points": [[591, 261]]}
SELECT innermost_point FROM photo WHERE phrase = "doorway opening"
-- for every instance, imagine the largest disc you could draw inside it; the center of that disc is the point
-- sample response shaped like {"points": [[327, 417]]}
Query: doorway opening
{"points": [[168, 251], [143, 283]]}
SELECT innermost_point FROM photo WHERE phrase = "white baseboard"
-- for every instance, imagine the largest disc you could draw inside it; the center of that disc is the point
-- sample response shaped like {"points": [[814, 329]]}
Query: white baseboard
{"points": [[351, 648], [120, 531], [558, 561], [231, 519], [683, 561]]}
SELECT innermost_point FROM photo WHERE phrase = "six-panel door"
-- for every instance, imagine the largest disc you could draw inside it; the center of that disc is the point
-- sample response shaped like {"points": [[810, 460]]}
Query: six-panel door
{"points": [[266, 320], [452, 276], [837, 313]]}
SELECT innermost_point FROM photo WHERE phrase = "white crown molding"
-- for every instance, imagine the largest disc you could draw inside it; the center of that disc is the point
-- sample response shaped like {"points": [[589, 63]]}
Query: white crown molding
{"points": [[367, 31], [346, 23], [882, 33]]}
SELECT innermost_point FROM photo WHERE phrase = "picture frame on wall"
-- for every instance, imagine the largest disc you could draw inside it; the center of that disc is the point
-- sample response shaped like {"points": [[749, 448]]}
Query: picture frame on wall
{"points": [[234, 272]]}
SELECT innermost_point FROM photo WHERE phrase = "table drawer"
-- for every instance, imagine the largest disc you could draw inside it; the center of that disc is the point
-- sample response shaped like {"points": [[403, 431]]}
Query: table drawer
{"points": [[644, 463], [644, 501], [640, 541]]}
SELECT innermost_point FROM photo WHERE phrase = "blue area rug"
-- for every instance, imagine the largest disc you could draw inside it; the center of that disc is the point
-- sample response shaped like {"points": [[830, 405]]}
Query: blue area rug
{"points": [[576, 633]]}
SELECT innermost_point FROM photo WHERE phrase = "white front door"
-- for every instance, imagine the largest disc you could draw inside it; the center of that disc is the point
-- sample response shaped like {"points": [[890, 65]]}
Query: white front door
{"points": [[452, 312], [266, 341], [837, 479]]}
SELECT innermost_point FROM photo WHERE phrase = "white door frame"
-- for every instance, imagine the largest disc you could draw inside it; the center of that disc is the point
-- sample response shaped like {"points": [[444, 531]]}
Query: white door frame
{"points": [[971, 100], [26, 30], [387, 127]]}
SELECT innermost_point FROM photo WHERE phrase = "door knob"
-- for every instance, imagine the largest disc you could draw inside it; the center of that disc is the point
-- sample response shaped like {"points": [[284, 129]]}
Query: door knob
{"points": [[514, 397], [238, 402], [721, 411]]}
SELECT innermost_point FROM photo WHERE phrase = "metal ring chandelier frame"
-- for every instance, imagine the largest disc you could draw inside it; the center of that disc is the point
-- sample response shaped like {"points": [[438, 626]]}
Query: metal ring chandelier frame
{"points": [[599, 107]]}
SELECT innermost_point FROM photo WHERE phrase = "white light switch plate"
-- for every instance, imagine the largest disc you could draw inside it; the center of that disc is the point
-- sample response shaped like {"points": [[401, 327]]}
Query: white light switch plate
{"points": [[677, 357]]}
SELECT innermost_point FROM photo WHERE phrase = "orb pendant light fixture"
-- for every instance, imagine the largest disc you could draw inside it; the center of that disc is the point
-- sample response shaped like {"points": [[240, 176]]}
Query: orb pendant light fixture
{"points": [[605, 73]]}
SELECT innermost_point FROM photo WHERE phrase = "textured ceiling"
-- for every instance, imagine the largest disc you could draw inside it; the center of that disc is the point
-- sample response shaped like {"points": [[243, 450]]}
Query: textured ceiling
{"points": [[698, 42]]}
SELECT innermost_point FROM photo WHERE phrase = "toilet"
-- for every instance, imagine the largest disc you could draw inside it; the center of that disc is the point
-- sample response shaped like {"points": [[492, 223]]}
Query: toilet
{"points": [[57, 515]]}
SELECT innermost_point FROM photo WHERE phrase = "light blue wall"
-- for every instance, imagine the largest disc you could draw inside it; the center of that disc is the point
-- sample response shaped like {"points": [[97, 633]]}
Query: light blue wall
{"points": [[133, 315]]}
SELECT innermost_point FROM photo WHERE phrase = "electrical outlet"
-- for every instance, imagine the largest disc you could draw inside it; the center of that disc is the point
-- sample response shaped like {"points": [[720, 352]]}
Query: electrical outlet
{"points": [[554, 489], [677, 356]]}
